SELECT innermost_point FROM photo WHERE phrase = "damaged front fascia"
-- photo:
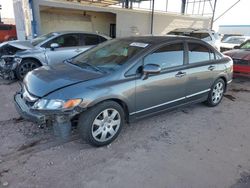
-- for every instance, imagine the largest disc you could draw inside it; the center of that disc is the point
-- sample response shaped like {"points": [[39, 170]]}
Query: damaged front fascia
{"points": [[7, 65]]}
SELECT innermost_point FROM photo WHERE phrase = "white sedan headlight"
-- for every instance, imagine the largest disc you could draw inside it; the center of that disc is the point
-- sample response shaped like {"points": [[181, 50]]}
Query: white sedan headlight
{"points": [[17, 59], [55, 104]]}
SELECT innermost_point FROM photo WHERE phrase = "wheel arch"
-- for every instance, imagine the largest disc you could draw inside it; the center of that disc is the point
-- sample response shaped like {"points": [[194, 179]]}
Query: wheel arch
{"points": [[32, 58], [121, 102], [225, 80]]}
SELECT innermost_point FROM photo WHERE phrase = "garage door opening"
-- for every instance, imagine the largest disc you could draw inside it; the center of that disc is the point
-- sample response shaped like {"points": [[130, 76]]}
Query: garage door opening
{"points": [[55, 19]]}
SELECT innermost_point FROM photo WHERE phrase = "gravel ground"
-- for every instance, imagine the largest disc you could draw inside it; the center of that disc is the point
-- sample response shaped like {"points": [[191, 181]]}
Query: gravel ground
{"points": [[194, 147]]}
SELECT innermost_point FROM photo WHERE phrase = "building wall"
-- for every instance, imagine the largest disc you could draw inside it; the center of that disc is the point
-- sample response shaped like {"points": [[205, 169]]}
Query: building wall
{"points": [[139, 23], [235, 29], [61, 20], [52, 15]]}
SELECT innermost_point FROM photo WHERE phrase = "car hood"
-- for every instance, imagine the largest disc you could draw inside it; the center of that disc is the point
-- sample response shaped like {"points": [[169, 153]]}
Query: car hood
{"points": [[22, 45], [44, 80], [239, 54]]}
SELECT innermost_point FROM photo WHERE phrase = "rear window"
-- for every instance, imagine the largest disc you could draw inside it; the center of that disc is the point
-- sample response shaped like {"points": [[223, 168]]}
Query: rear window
{"points": [[5, 27], [202, 36]]}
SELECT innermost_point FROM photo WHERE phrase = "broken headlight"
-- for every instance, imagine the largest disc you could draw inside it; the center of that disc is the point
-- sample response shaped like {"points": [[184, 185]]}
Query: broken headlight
{"points": [[55, 104], [17, 60]]}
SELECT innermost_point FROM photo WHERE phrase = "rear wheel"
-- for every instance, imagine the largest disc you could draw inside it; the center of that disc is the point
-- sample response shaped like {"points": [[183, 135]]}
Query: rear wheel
{"points": [[216, 93], [101, 124], [26, 66]]}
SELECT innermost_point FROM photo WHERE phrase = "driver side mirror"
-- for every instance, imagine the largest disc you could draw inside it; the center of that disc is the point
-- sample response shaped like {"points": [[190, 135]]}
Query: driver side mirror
{"points": [[150, 69], [53, 46], [237, 47]]}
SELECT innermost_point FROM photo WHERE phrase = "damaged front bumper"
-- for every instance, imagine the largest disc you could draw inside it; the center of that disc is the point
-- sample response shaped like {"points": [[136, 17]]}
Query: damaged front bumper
{"points": [[41, 116], [26, 112], [7, 70]]}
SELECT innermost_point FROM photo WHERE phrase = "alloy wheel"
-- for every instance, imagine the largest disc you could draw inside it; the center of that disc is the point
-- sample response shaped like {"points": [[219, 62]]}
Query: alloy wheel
{"points": [[26, 67], [217, 92], [106, 125]]}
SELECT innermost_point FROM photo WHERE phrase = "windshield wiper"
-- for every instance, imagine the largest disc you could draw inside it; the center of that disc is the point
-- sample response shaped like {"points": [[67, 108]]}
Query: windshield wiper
{"points": [[92, 66]]}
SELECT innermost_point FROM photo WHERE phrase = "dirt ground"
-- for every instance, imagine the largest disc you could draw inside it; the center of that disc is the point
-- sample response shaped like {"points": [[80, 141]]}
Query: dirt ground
{"points": [[194, 147]]}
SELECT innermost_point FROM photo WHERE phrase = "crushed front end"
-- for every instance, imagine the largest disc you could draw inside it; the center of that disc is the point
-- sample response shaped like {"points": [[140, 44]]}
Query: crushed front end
{"points": [[8, 61], [28, 107]]}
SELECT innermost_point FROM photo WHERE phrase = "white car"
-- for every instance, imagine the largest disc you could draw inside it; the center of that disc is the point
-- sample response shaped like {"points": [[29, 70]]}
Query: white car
{"points": [[206, 35], [231, 42]]}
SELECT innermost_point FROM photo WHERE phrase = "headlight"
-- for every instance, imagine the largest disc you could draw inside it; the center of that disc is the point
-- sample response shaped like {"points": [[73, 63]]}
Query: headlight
{"points": [[17, 59], [45, 104], [2, 62]]}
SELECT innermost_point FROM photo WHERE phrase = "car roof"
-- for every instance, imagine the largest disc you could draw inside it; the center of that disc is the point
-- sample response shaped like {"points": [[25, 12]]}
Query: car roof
{"points": [[82, 32], [154, 40]]}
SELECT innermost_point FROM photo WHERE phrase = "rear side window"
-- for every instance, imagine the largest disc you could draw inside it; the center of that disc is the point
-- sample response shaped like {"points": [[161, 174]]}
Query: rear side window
{"points": [[167, 56], [102, 39], [91, 39], [198, 53]]}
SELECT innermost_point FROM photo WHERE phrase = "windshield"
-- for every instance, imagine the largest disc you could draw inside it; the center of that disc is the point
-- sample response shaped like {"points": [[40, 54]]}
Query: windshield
{"points": [[42, 38], [202, 36], [109, 56], [246, 45], [234, 40]]}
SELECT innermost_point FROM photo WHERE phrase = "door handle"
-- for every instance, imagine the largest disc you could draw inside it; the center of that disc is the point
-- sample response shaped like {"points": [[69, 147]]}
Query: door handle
{"points": [[211, 67], [180, 74]]}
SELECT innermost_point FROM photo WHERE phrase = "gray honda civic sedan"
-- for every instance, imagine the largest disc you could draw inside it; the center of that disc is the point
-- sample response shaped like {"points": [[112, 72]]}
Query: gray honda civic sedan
{"points": [[123, 80]]}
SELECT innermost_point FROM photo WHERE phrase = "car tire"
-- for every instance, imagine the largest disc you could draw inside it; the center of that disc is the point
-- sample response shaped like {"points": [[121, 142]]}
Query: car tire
{"points": [[216, 93], [26, 66], [101, 124]]}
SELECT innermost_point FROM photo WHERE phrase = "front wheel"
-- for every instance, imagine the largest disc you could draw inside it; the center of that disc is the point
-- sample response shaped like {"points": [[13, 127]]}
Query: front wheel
{"points": [[26, 66], [101, 124], [216, 93]]}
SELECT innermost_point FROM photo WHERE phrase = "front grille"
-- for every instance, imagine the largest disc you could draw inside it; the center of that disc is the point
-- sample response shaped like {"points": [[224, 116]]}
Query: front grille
{"points": [[241, 62]]}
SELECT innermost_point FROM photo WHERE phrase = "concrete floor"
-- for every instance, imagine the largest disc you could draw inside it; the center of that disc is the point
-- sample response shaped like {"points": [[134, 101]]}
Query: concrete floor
{"points": [[194, 147]]}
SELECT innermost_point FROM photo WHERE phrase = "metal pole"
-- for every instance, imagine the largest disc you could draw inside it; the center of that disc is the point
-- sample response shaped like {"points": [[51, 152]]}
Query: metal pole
{"points": [[126, 3], [166, 5], [183, 6], [0, 14], [212, 21], [152, 16]]}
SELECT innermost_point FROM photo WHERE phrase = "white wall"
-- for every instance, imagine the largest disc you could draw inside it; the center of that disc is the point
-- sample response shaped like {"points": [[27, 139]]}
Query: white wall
{"points": [[242, 30], [139, 23], [61, 20]]}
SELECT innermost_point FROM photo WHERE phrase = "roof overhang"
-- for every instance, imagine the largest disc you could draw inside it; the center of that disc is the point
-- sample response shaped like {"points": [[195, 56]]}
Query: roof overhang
{"points": [[102, 3]]}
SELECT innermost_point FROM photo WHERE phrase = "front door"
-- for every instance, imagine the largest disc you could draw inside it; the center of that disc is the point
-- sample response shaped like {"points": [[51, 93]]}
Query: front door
{"points": [[165, 89], [69, 46]]}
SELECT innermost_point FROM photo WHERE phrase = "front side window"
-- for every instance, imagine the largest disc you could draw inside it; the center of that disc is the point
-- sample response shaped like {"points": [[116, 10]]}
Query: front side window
{"points": [[109, 56], [42, 38], [167, 56], [68, 40], [198, 53]]}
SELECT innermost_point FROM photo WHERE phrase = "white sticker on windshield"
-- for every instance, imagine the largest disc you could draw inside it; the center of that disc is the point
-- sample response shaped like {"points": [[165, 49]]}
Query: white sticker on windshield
{"points": [[139, 44]]}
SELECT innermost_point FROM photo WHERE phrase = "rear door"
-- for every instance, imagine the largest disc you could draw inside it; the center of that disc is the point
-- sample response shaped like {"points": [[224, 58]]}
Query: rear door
{"points": [[68, 47], [166, 89], [202, 70]]}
